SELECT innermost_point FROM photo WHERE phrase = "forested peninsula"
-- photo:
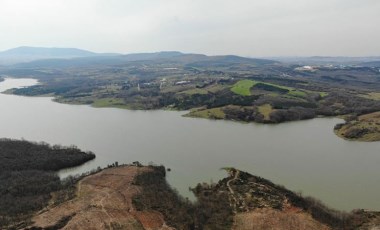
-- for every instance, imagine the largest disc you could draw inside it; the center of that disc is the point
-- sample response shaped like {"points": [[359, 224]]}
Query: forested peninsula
{"points": [[28, 177]]}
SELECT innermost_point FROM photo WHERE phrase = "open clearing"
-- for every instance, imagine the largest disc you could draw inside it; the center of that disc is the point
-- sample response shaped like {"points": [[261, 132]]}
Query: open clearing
{"points": [[265, 110], [103, 201], [243, 87]]}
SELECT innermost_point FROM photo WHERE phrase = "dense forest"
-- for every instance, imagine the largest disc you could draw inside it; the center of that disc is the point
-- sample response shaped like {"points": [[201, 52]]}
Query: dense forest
{"points": [[28, 176]]}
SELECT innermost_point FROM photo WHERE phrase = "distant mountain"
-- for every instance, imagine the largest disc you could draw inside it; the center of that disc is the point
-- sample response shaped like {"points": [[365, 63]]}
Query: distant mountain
{"points": [[27, 54], [192, 60], [229, 60], [325, 60], [371, 64], [152, 56], [46, 52]]}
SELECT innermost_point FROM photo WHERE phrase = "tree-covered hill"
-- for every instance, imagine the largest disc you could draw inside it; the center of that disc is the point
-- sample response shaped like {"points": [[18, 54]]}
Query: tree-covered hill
{"points": [[28, 176]]}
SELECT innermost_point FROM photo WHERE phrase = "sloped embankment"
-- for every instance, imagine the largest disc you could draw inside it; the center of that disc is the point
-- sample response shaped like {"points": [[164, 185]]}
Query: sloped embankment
{"points": [[103, 201], [252, 202]]}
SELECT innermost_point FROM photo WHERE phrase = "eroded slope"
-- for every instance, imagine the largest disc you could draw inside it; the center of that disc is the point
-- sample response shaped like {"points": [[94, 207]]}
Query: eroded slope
{"points": [[103, 201]]}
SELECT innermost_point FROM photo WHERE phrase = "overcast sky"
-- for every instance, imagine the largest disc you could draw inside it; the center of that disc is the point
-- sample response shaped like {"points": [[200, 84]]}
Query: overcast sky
{"points": [[242, 27]]}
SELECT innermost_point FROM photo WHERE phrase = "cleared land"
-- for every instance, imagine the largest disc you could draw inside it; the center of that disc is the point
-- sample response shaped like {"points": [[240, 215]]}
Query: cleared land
{"points": [[138, 197], [103, 201], [286, 220], [265, 110]]}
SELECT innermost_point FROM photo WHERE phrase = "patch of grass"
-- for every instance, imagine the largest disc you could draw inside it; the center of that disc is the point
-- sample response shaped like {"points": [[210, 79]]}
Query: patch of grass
{"points": [[296, 93], [176, 88], [291, 91], [323, 94], [75, 101], [243, 87], [110, 102], [265, 110], [194, 91], [372, 95], [214, 113], [215, 88], [278, 86]]}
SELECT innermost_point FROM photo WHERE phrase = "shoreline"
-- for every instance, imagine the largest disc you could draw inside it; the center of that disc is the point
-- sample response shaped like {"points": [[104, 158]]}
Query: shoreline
{"points": [[192, 113]]}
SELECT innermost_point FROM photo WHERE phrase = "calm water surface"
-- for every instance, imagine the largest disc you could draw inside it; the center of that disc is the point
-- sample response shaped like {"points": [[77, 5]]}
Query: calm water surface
{"points": [[303, 156]]}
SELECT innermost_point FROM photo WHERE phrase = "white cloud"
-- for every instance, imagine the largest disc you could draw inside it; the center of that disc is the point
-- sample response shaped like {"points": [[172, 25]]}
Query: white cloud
{"points": [[245, 27]]}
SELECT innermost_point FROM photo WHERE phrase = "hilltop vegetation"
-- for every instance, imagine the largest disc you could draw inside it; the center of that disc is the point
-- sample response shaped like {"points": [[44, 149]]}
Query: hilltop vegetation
{"points": [[364, 128], [28, 176]]}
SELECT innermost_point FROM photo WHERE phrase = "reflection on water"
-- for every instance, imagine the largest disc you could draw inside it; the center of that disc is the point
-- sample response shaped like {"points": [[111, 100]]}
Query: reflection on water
{"points": [[304, 156]]}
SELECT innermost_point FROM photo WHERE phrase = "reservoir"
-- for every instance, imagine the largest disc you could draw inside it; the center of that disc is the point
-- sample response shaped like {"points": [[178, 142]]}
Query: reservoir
{"points": [[304, 156]]}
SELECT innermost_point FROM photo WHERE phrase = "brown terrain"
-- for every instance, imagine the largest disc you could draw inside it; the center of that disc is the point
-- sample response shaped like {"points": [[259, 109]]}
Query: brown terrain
{"points": [[256, 203], [267, 218], [103, 201], [262, 213], [132, 197]]}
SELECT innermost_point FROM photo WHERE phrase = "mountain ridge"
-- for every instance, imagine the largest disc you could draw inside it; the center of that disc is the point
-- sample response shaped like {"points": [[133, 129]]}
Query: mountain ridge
{"points": [[28, 53], [90, 58]]}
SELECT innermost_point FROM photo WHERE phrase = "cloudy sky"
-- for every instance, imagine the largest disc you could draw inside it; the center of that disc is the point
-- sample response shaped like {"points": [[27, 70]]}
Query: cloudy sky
{"points": [[243, 27]]}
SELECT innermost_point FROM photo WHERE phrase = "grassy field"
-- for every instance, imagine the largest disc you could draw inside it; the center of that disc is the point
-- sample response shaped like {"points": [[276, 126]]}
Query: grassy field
{"points": [[214, 113], [372, 95], [243, 87], [110, 102], [323, 94], [297, 93], [291, 91]]}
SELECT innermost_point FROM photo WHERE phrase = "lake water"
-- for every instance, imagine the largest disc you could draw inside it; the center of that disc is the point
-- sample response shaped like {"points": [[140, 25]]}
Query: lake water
{"points": [[303, 156]]}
